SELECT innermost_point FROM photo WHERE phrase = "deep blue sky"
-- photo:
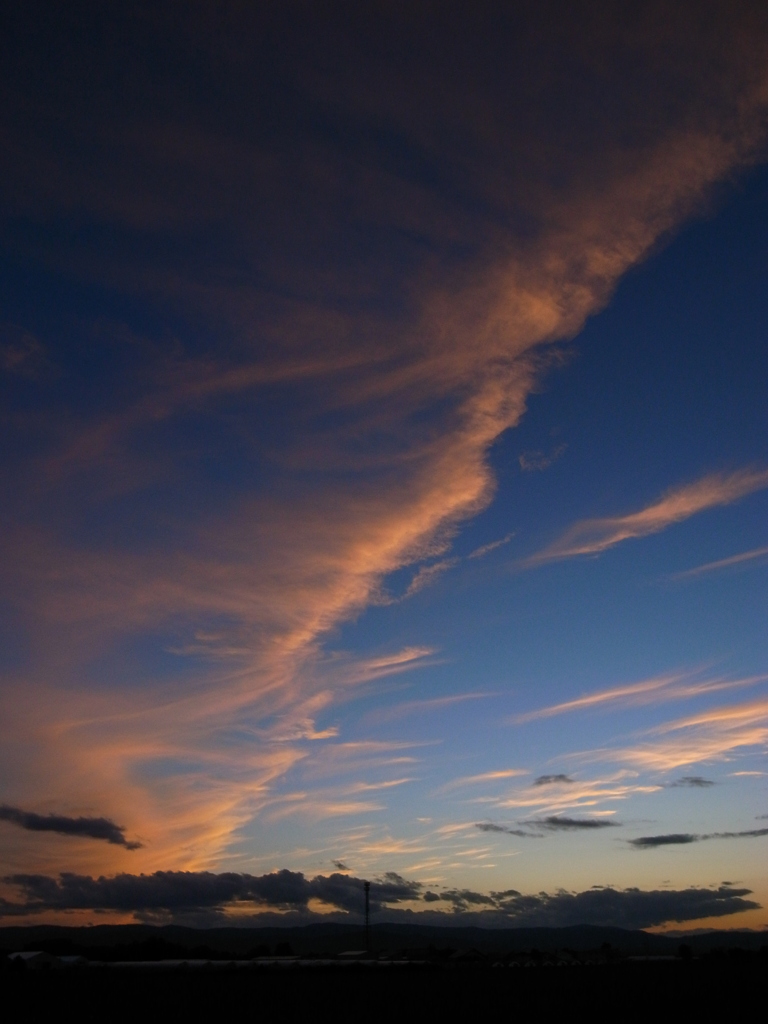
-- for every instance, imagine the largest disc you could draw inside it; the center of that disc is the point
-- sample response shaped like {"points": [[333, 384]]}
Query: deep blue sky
{"points": [[373, 385]]}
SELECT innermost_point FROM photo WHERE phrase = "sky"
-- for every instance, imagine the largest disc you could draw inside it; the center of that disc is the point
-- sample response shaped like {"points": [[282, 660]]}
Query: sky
{"points": [[384, 467]]}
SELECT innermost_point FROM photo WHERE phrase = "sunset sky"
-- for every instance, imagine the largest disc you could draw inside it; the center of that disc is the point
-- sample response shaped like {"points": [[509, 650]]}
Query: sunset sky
{"points": [[384, 462]]}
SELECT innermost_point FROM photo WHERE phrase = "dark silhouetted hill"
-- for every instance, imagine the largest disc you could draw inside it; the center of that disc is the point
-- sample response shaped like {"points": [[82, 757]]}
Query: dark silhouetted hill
{"points": [[148, 942]]}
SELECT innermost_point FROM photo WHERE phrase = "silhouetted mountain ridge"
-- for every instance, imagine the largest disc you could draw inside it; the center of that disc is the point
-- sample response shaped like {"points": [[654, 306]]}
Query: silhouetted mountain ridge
{"points": [[138, 941]]}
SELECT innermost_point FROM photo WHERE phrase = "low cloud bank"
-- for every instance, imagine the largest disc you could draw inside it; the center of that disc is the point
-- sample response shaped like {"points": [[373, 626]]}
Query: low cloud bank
{"points": [[284, 896], [195, 890], [621, 908], [90, 828]]}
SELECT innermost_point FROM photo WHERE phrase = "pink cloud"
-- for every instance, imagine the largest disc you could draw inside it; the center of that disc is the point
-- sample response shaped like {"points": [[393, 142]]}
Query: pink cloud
{"points": [[592, 536]]}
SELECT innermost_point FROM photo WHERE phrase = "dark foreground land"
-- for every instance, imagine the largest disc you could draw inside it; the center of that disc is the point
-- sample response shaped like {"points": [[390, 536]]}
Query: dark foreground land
{"points": [[146, 974], [626, 992]]}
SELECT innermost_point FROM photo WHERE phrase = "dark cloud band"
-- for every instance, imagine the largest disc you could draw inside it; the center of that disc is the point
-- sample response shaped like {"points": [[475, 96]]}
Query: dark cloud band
{"points": [[489, 826], [90, 828], [553, 823], [195, 890], [622, 908], [173, 894], [673, 839], [693, 781], [556, 823], [682, 838]]}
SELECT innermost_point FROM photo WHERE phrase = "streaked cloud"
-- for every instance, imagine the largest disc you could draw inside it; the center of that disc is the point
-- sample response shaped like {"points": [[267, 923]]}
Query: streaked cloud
{"points": [[717, 734], [592, 536], [657, 690], [428, 574], [364, 787], [486, 549], [493, 776], [723, 563], [365, 670], [558, 796], [313, 808], [420, 707], [322, 802]]}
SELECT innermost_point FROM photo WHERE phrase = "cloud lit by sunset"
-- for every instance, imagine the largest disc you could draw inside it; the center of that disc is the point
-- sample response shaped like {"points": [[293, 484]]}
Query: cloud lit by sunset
{"points": [[384, 464]]}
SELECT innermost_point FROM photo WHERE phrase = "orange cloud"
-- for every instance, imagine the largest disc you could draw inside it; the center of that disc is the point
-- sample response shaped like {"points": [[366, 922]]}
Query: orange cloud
{"points": [[421, 707], [406, 402], [719, 734], [592, 536], [471, 780], [650, 691], [575, 795], [485, 549], [722, 563]]}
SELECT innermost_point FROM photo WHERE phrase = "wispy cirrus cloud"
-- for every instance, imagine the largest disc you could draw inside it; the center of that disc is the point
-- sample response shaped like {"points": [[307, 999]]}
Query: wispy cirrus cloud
{"points": [[717, 734], [322, 802], [486, 549], [313, 808], [392, 662], [428, 574], [593, 536], [424, 707], [559, 794], [564, 794], [492, 776], [658, 690], [754, 555]]}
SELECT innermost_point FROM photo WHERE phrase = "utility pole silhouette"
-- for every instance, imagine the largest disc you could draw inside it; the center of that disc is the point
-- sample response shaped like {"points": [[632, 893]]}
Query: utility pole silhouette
{"points": [[367, 886]]}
